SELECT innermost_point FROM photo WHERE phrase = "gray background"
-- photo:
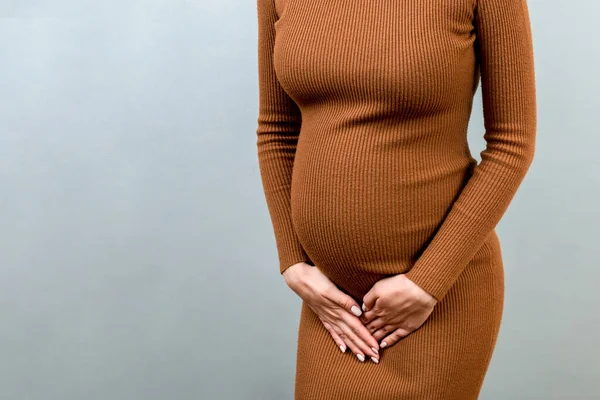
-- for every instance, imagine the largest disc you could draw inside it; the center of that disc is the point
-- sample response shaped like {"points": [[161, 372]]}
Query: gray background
{"points": [[136, 254]]}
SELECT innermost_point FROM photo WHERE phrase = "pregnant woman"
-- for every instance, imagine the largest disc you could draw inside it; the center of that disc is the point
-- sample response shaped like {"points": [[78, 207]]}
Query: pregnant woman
{"points": [[383, 220]]}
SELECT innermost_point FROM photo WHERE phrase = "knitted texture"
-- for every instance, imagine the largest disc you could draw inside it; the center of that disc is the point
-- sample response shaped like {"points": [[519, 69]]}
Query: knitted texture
{"points": [[363, 154]]}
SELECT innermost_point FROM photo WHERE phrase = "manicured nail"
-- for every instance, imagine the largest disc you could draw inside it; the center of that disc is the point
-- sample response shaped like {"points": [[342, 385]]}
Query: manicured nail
{"points": [[364, 308], [374, 350], [383, 344], [342, 348], [361, 357], [376, 361], [356, 311]]}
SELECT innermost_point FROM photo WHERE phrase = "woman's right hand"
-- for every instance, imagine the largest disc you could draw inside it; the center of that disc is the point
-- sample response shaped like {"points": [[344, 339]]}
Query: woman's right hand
{"points": [[338, 311]]}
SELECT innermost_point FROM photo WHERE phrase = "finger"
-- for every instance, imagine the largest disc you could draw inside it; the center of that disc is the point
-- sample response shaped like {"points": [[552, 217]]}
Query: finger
{"points": [[343, 300], [336, 338], [362, 332], [354, 348], [369, 299], [375, 324], [383, 332], [369, 315], [394, 337], [362, 349], [357, 332]]}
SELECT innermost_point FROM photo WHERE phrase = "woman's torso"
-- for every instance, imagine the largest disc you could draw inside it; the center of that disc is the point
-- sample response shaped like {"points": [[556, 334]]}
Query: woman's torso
{"points": [[385, 89]]}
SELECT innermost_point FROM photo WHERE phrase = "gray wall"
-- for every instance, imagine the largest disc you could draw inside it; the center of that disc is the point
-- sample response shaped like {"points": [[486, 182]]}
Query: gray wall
{"points": [[136, 253]]}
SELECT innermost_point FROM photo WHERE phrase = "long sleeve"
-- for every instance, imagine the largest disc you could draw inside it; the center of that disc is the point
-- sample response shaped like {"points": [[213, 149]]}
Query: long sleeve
{"points": [[504, 50], [279, 122]]}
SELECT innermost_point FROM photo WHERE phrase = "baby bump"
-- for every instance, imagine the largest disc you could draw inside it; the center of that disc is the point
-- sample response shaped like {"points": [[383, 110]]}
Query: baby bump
{"points": [[364, 214]]}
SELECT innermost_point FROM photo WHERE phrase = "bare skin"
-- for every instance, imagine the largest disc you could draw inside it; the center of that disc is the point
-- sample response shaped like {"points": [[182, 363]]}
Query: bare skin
{"points": [[338, 311], [393, 308]]}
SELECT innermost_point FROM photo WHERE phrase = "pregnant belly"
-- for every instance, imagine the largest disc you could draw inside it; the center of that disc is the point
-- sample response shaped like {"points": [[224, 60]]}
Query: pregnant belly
{"points": [[366, 212]]}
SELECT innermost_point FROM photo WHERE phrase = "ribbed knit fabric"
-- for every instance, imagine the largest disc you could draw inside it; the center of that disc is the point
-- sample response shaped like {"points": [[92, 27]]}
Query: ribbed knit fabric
{"points": [[367, 172]]}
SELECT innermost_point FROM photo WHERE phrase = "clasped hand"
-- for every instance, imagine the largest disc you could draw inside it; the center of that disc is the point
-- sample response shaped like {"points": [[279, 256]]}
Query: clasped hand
{"points": [[392, 309]]}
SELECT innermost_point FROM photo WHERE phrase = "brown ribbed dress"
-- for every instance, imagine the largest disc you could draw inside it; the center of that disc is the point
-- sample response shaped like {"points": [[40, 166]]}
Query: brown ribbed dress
{"points": [[363, 154]]}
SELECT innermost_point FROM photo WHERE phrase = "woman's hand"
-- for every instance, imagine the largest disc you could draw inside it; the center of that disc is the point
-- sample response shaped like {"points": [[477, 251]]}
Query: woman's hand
{"points": [[394, 307], [337, 310]]}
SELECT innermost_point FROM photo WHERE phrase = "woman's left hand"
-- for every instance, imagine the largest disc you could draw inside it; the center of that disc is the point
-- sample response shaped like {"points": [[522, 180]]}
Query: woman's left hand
{"points": [[394, 307]]}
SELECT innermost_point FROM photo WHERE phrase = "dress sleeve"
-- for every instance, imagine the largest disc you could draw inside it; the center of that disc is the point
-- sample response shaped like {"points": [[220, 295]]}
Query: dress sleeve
{"points": [[504, 50], [279, 122]]}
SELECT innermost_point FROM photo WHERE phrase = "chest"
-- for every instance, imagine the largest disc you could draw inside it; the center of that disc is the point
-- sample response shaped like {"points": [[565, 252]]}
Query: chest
{"points": [[407, 50]]}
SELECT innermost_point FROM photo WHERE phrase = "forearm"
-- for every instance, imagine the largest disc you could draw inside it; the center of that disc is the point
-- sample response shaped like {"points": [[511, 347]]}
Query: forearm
{"points": [[505, 54], [279, 121]]}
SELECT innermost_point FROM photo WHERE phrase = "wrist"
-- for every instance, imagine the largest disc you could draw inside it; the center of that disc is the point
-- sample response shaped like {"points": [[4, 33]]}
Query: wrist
{"points": [[294, 273], [424, 295]]}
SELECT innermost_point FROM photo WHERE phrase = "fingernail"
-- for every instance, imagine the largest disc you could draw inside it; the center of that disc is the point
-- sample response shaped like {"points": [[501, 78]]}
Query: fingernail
{"points": [[360, 357], [376, 361], [383, 344], [355, 311], [374, 350], [364, 308], [342, 348]]}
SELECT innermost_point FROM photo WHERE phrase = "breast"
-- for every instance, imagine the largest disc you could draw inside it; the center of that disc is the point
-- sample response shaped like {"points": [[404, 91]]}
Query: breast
{"points": [[416, 58]]}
